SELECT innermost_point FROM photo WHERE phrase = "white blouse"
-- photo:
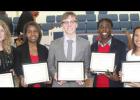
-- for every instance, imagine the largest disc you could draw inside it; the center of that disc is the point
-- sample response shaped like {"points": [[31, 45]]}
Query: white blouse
{"points": [[131, 57]]}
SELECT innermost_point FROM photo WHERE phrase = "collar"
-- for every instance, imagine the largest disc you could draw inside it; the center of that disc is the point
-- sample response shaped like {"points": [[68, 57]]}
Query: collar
{"points": [[108, 42], [67, 38]]}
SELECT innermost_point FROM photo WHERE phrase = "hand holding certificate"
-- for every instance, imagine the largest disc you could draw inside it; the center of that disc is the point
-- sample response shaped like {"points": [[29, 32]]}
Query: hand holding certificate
{"points": [[102, 62], [131, 72], [70, 71], [35, 73], [6, 80]]}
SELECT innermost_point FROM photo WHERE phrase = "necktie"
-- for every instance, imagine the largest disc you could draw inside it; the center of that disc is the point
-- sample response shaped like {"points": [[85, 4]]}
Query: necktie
{"points": [[69, 50]]}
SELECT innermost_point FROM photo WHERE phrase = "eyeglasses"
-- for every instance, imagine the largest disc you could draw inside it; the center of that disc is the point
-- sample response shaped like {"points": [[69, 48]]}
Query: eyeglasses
{"points": [[69, 22]]}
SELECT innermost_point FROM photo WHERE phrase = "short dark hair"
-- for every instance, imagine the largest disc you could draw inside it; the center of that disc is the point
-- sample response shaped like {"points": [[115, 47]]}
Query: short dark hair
{"points": [[105, 19]]}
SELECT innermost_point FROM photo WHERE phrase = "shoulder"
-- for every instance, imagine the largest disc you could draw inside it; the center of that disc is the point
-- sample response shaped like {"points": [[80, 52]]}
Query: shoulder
{"points": [[42, 47], [94, 44], [131, 57], [57, 41], [118, 42], [83, 41], [22, 47], [129, 53]]}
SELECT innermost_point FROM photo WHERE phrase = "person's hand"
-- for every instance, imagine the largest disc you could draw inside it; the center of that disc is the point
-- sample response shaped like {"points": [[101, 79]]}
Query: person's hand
{"points": [[23, 84], [80, 82], [59, 82], [89, 82], [120, 74], [113, 76], [49, 82]]}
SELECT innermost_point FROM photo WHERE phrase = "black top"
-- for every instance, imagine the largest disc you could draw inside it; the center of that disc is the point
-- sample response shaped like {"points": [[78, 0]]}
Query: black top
{"points": [[6, 61], [23, 57]]}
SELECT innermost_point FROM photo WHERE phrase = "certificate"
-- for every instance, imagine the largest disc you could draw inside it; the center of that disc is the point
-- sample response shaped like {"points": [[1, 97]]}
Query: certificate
{"points": [[102, 62], [35, 73], [70, 71], [6, 80], [131, 72]]}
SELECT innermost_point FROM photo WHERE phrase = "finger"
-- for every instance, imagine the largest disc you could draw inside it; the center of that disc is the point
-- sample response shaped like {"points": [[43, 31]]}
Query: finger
{"points": [[60, 82], [80, 82]]}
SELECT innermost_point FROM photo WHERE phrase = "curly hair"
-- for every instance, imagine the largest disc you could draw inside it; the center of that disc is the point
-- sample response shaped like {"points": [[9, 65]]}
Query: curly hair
{"points": [[6, 44]]}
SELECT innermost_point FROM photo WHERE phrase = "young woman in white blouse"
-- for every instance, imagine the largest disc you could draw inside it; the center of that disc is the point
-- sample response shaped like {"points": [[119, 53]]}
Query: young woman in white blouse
{"points": [[134, 53]]}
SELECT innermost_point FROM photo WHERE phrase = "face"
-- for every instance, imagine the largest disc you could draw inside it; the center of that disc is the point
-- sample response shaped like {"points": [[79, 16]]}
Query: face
{"points": [[2, 33], [32, 34], [104, 29], [69, 25], [137, 38]]}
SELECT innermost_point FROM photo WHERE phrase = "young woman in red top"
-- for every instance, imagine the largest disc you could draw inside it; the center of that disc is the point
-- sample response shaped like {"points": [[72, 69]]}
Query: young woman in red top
{"points": [[106, 43], [31, 51]]}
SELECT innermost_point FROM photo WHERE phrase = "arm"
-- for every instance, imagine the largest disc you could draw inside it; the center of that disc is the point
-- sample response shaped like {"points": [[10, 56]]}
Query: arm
{"points": [[18, 62], [87, 56], [45, 55], [51, 63], [51, 60], [121, 57], [18, 67]]}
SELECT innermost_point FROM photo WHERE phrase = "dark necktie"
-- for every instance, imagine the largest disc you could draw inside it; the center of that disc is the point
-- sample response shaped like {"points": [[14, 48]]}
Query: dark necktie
{"points": [[69, 50]]}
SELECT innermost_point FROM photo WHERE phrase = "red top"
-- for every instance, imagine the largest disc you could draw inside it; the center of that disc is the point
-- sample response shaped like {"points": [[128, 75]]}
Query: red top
{"points": [[102, 80], [104, 49], [35, 59]]}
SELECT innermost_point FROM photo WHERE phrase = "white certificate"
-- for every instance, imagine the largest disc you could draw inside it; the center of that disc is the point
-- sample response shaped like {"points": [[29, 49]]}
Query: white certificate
{"points": [[6, 80], [101, 62], [131, 72], [35, 73], [70, 71]]}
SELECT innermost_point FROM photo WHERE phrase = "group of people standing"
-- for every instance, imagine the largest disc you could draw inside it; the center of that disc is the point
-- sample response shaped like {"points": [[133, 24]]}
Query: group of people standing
{"points": [[31, 51]]}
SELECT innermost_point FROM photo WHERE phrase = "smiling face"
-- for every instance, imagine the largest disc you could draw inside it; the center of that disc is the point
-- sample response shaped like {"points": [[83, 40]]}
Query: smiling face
{"points": [[32, 34], [104, 29], [137, 38], [69, 25]]}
